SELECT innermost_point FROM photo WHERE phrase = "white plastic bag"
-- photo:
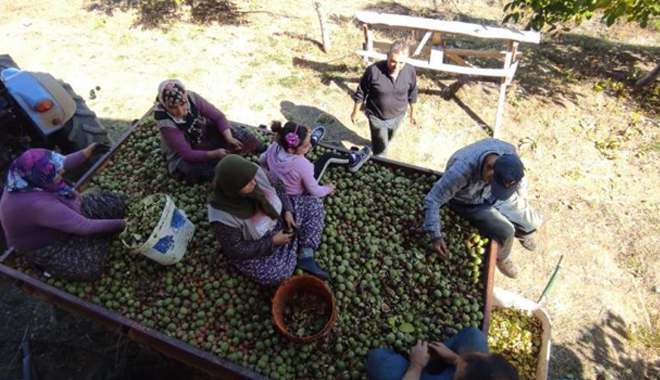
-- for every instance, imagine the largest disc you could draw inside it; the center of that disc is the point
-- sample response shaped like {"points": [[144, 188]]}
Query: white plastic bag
{"points": [[168, 242]]}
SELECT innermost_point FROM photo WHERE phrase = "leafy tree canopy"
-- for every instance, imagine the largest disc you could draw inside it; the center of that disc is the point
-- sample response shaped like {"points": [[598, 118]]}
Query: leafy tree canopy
{"points": [[553, 12]]}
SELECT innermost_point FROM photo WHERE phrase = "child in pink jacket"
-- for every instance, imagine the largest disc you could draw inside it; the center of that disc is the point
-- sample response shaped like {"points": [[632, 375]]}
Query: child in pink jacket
{"points": [[286, 158]]}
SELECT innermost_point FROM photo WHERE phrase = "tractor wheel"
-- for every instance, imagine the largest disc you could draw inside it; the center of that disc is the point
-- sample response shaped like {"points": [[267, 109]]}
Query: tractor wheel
{"points": [[83, 129]]}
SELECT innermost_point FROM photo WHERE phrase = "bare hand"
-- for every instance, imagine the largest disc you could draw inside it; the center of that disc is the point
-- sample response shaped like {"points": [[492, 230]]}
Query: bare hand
{"points": [[218, 153], [237, 145], [96, 148], [444, 352], [413, 121], [332, 187], [419, 355], [354, 117], [290, 221], [440, 247], [281, 238]]}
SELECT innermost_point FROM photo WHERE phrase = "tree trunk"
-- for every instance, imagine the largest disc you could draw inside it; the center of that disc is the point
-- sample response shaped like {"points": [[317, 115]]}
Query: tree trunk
{"points": [[324, 26], [648, 78]]}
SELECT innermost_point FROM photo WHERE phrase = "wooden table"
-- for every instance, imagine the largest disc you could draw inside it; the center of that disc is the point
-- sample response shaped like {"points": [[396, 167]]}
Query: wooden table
{"points": [[433, 31]]}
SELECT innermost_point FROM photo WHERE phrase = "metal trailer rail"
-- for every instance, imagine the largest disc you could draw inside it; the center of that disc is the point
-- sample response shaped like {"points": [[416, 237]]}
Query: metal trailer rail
{"points": [[175, 348]]}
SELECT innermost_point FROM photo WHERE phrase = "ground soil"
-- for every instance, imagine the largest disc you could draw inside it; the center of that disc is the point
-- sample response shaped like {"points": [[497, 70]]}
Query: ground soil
{"points": [[591, 147]]}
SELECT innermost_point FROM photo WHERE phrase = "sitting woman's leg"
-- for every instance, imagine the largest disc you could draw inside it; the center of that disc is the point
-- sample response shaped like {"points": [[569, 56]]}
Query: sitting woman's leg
{"points": [[103, 205], [310, 217], [309, 214], [196, 172], [251, 144], [270, 269], [79, 258]]}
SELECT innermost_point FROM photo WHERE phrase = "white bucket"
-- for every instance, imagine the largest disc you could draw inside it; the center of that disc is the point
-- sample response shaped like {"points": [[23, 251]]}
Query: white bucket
{"points": [[506, 299], [169, 240]]}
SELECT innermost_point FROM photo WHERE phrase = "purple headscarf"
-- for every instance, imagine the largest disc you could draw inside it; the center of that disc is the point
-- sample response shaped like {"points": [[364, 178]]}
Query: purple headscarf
{"points": [[36, 170]]}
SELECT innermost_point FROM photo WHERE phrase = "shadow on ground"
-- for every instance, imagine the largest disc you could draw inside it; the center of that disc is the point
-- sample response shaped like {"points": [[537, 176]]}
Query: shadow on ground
{"points": [[550, 69], [604, 344], [160, 14], [313, 116]]}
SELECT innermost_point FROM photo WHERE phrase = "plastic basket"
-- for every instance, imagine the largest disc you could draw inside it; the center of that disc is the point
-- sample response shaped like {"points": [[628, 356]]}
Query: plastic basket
{"points": [[168, 242], [506, 299], [308, 284]]}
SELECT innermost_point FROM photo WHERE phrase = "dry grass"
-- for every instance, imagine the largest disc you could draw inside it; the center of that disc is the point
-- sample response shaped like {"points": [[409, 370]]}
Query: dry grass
{"points": [[592, 153]]}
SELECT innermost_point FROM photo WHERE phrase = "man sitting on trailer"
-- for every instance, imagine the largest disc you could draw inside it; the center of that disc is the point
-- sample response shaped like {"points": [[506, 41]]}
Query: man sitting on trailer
{"points": [[462, 357], [484, 183]]}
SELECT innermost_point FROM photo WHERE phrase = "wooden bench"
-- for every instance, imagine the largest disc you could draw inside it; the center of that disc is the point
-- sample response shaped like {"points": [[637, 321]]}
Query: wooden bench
{"points": [[432, 45]]}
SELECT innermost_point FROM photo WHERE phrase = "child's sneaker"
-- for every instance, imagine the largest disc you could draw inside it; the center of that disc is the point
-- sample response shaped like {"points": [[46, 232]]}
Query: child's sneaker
{"points": [[318, 134], [361, 156]]}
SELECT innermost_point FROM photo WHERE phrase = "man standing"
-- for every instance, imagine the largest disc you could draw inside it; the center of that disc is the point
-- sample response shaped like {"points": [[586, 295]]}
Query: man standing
{"points": [[484, 183], [387, 88]]}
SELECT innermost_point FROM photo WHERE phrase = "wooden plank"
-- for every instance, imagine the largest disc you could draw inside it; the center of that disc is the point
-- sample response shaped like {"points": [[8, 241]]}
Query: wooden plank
{"points": [[500, 102], [500, 109], [421, 44], [479, 53], [513, 69], [385, 46], [437, 50], [459, 60], [497, 73], [493, 250], [515, 59], [453, 27], [368, 41]]}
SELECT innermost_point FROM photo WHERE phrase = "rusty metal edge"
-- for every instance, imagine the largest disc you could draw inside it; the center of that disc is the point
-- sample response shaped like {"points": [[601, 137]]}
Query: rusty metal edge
{"points": [[493, 249], [160, 342]]}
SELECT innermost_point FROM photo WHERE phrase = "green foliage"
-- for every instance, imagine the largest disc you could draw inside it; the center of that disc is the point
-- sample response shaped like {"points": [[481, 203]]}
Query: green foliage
{"points": [[552, 12]]}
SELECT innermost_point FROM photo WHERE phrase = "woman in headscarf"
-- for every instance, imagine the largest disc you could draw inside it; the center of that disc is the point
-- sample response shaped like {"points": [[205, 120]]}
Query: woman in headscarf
{"points": [[194, 134], [50, 224], [254, 221]]}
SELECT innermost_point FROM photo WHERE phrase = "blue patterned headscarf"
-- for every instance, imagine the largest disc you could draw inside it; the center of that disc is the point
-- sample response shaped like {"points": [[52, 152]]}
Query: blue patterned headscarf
{"points": [[36, 170]]}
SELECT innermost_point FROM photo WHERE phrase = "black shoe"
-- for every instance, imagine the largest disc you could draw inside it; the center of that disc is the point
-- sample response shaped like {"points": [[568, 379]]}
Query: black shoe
{"points": [[362, 156], [318, 134], [310, 266], [507, 268]]}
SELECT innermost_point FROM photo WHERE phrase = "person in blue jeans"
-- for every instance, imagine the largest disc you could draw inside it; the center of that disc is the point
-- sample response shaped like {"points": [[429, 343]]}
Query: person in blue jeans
{"points": [[462, 357]]}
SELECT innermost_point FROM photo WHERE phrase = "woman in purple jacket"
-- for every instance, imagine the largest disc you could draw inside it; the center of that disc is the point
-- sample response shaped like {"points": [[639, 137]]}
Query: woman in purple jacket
{"points": [[194, 134], [50, 224]]}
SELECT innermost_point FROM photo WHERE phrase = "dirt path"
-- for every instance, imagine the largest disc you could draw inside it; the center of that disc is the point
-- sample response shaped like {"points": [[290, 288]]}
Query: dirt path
{"points": [[593, 173]]}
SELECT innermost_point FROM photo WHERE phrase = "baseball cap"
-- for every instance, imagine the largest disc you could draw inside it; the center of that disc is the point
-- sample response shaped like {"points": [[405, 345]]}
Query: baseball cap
{"points": [[508, 171]]}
